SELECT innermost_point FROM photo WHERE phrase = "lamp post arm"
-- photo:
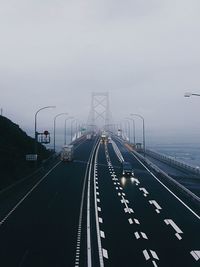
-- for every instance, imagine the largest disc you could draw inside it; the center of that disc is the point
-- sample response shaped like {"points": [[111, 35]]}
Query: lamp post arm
{"points": [[54, 129]]}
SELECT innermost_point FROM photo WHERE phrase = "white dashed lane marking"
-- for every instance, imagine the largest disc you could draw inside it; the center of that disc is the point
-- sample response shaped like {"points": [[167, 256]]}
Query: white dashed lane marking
{"points": [[102, 234], [105, 253]]}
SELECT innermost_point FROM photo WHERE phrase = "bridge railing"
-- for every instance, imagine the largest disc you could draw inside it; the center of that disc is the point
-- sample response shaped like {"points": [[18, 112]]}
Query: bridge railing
{"points": [[173, 162], [173, 182]]}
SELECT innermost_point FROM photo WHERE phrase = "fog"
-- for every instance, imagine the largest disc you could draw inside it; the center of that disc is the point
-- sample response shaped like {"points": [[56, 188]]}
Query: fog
{"points": [[144, 53]]}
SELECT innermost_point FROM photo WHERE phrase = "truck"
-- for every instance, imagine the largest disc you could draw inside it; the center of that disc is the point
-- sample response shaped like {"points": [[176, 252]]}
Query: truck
{"points": [[67, 153]]}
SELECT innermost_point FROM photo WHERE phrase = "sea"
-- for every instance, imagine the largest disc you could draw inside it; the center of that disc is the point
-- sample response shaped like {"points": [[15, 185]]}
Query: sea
{"points": [[188, 153]]}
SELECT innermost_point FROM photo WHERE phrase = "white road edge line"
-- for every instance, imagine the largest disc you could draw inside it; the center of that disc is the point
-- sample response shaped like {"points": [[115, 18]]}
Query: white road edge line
{"points": [[100, 234], [27, 194], [194, 213]]}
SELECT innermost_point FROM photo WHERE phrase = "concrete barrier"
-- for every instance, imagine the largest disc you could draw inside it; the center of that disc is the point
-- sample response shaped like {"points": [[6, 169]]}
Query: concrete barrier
{"points": [[173, 162]]}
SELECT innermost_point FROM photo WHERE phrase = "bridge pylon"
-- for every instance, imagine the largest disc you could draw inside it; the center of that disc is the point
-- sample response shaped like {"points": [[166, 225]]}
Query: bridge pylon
{"points": [[100, 112]]}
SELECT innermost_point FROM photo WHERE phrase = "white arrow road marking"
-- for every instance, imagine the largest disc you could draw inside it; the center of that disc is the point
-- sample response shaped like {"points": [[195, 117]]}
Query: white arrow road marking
{"points": [[145, 192], [195, 254], [137, 182], [158, 208], [175, 227], [143, 235]]}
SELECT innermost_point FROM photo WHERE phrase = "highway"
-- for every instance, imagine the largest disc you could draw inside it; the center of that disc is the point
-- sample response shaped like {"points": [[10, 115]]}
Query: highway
{"points": [[84, 213]]}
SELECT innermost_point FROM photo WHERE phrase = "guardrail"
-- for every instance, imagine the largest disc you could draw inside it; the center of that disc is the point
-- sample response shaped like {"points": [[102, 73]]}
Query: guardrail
{"points": [[173, 162], [173, 182], [185, 192]]}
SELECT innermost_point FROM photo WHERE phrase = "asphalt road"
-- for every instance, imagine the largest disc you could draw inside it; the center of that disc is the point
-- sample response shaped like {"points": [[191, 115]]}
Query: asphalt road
{"points": [[85, 213]]}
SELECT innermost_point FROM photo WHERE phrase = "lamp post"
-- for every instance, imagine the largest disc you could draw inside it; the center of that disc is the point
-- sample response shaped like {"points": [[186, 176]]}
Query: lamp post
{"points": [[188, 94], [133, 121], [72, 128], [129, 128], [138, 115], [65, 133], [36, 134], [54, 129]]}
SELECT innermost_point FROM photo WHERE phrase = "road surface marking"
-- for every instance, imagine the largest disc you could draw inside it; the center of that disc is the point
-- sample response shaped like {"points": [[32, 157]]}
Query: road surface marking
{"points": [[136, 221], [145, 192], [175, 227], [195, 254], [105, 253], [87, 174], [130, 221], [146, 255], [143, 235], [151, 254], [153, 202], [123, 200], [27, 194], [183, 203], [137, 182], [98, 232], [102, 234]]}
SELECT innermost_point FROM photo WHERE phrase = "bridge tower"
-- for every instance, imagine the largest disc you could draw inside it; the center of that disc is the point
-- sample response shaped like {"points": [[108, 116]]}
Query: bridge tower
{"points": [[100, 111]]}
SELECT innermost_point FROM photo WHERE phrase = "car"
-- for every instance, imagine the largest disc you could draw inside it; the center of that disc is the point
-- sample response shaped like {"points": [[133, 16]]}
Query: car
{"points": [[127, 169]]}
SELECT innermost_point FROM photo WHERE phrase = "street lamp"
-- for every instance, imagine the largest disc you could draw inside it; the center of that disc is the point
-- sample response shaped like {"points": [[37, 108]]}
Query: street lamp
{"points": [[133, 129], [188, 94], [137, 115], [72, 128], [36, 134], [129, 128], [54, 129], [65, 134]]}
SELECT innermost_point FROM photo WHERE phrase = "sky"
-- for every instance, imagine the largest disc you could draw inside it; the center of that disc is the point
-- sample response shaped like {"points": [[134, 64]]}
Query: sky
{"points": [[144, 53]]}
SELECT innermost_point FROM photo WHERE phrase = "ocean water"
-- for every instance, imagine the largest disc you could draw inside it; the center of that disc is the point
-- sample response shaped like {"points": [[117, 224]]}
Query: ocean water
{"points": [[187, 153]]}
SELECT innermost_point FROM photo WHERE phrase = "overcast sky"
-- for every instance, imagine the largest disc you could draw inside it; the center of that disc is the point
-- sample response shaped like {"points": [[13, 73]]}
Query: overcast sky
{"points": [[145, 53]]}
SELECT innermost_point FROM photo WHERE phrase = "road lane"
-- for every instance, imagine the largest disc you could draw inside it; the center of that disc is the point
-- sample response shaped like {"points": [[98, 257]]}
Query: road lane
{"points": [[42, 230], [158, 206], [86, 214]]}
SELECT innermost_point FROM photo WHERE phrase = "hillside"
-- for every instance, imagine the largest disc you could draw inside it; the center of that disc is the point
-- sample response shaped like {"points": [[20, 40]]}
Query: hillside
{"points": [[14, 145]]}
